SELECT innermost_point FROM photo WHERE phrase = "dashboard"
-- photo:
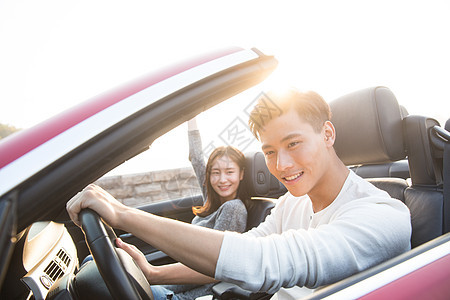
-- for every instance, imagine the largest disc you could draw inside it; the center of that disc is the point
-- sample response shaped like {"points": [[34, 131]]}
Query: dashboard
{"points": [[49, 254]]}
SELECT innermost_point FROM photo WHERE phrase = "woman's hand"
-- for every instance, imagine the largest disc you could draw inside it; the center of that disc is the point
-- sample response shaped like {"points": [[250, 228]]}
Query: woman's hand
{"points": [[99, 200]]}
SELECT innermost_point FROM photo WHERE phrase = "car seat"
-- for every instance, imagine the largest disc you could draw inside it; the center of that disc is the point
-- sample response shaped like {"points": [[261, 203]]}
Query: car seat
{"points": [[372, 130], [262, 188]]}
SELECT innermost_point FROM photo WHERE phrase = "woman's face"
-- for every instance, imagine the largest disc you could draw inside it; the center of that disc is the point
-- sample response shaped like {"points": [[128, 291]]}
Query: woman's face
{"points": [[225, 178]]}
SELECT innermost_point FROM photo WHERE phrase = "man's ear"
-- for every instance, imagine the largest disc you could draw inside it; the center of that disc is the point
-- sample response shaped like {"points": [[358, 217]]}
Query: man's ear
{"points": [[329, 133]]}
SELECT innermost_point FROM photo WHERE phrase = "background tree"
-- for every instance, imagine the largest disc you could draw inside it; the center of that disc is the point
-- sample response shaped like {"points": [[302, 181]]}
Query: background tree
{"points": [[6, 130]]}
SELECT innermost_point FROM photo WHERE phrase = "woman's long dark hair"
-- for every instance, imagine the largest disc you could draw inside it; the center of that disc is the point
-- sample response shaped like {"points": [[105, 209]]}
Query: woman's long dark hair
{"points": [[212, 198]]}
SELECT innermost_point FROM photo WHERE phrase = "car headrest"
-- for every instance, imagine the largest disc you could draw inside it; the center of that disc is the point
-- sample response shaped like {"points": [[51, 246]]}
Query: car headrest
{"points": [[258, 181], [368, 126], [425, 164]]}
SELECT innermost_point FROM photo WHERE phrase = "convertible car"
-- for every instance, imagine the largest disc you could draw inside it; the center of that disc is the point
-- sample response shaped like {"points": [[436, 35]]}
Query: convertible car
{"points": [[42, 167]]}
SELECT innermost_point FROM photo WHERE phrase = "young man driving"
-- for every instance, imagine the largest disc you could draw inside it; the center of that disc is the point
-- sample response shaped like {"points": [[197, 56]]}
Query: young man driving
{"points": [[330, 224]]}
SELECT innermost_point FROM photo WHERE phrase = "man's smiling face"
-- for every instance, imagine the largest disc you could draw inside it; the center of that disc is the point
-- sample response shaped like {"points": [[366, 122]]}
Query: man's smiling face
{"points": [[295, 153]]}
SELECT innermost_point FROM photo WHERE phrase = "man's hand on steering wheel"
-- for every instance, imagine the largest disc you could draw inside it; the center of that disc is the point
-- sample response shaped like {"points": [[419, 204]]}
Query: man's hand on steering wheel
{"points": [[100, 201]]}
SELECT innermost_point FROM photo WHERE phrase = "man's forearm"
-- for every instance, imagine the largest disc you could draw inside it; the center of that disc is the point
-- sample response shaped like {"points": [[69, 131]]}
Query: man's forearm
{"points": [[178, 274], [181, 241]]}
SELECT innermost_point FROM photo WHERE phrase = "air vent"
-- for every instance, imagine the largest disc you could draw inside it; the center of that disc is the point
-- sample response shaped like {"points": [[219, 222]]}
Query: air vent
{"points": [[56, 268]]}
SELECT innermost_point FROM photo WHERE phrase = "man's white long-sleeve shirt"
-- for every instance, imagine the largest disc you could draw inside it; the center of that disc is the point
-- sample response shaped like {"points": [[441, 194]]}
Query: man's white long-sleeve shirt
{"points": [[296, 247]]}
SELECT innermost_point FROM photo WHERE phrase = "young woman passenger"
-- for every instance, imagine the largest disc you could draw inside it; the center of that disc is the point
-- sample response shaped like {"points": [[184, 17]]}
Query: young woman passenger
{"points": [[220, 182]]}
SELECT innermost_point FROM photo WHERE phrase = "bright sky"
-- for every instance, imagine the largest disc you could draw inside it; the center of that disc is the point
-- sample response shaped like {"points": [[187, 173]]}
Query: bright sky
{"points": [[55, 53]]}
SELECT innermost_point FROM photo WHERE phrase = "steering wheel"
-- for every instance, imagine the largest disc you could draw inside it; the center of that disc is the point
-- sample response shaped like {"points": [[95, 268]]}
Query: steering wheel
{"points": [[121, 275]]}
